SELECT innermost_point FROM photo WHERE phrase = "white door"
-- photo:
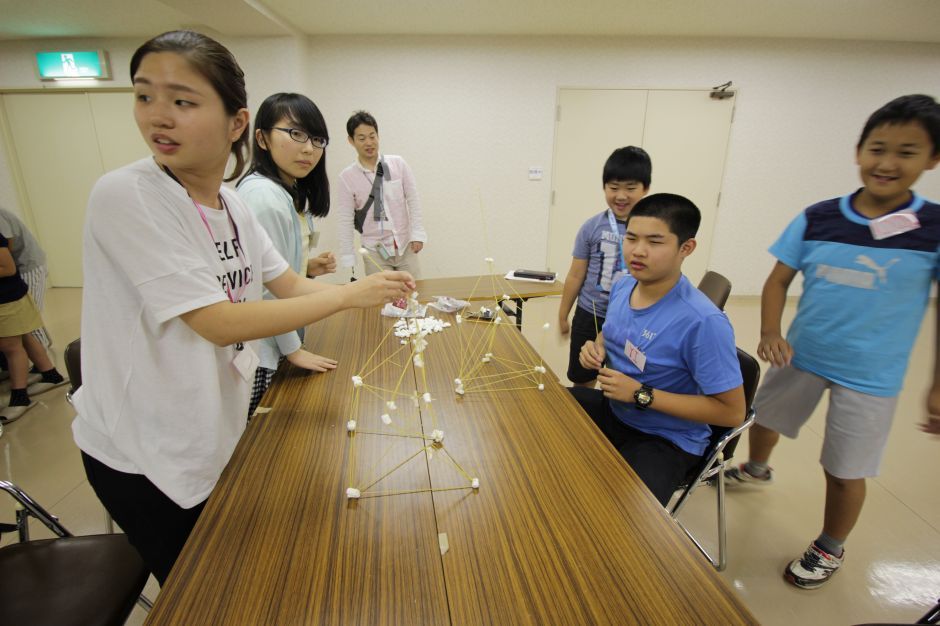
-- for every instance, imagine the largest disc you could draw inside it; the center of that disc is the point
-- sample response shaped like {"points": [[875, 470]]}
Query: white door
{"points": [[589, 125], [62, 144], [685, 133], [119, 139], [687, 139], [56, 150]]}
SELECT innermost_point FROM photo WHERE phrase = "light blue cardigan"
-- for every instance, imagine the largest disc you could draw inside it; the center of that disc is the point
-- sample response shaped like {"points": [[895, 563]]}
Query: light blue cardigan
{"points": [[274, 208]]}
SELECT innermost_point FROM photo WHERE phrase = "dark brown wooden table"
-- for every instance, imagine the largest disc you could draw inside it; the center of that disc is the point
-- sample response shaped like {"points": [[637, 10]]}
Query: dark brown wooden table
{"points": [[561, 531]]}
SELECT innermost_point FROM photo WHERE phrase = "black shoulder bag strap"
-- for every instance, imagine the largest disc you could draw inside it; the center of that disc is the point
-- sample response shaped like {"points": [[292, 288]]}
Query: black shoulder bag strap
{"points": [[375, 196]]}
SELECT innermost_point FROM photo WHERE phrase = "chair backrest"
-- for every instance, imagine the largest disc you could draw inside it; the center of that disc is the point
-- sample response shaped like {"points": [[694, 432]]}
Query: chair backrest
{"points": [[73, 364], [716, 287], [750, 373]]}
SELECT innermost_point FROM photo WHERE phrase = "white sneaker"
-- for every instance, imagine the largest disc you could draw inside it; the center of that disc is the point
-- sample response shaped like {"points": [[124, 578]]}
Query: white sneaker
{"points": [[814, 568], [33, 377], [13, 413], [738, 475]]}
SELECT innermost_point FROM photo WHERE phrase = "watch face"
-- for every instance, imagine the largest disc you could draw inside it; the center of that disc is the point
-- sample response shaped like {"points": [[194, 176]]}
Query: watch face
{"points": [[644, 397]]}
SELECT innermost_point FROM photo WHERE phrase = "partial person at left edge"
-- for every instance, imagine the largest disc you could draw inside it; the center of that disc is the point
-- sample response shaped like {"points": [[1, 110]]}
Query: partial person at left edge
{"points": [[19, 317], [30, 261], [174, 266]]}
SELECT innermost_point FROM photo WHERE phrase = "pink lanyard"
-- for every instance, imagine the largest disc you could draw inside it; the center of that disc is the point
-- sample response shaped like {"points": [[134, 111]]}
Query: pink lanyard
{"points": [[233, 298], [242, 257]]}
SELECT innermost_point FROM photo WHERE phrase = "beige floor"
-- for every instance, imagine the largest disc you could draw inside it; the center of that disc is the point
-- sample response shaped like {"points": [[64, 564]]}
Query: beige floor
{"points": [[892, 571]]}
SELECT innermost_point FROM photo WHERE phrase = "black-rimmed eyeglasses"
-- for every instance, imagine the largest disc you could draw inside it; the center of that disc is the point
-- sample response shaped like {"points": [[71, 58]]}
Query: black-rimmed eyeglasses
{"points": [[301, 137]]}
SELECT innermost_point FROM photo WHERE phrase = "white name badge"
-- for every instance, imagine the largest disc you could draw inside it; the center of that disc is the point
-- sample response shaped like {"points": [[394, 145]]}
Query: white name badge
{"points": [[893, 224], [246, 362], [635, 355]]}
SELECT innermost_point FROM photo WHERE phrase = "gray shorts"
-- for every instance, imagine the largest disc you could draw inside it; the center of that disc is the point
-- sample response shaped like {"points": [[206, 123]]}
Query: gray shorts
{"points": [[857, 424]]}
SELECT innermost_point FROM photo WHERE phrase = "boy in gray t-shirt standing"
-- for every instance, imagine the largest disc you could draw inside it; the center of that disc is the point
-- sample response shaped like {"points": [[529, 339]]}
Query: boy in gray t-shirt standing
{"points": [[597, 260]]}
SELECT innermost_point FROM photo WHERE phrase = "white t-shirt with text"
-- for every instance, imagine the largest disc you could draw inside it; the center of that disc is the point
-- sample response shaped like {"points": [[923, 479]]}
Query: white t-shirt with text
{"points": [[158, 399]]}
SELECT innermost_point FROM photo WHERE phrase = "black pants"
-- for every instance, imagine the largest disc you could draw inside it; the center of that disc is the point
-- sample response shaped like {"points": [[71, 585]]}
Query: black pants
{"points": [[584, 328], [155, 525], [659, 463]]}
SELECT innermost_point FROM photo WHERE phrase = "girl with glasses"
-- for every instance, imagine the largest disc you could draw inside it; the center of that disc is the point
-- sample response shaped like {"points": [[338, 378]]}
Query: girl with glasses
{"points": [[286, 187]]}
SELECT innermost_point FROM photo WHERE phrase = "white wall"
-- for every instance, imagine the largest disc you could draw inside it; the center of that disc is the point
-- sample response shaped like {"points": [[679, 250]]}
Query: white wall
{"points": [[471, 114]]}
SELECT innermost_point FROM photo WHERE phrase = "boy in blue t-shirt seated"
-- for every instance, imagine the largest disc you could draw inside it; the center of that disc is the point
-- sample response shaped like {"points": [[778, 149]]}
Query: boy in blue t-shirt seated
{"points": [[868, 261], [673, 367], [597, 259]]}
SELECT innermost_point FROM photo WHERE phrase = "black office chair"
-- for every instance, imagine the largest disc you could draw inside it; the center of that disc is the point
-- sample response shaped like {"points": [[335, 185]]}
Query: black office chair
{"points": [[716, 287], [86, 580], [717, 459]]}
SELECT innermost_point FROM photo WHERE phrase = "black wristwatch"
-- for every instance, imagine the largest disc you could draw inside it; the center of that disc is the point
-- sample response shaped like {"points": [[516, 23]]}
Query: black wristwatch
{"points": [[643, 397]]}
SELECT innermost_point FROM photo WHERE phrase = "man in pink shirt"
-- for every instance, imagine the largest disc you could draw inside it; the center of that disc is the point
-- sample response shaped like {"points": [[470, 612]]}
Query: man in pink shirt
{"points": [[384, 208]]}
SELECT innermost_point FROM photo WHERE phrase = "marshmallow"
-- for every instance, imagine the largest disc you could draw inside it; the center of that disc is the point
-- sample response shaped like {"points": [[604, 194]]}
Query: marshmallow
{"points": [[459, 390], [506, 296], [541, 387], [437, 436], [418, 361], [357, 381], [489, 260], [498, 320], [539, 368], [391, 405], [386, 419], [458, 382], [351, 425], [546, 326], [459, 319], [475, 483], [352, 493], [427, 397], [363, 251]]}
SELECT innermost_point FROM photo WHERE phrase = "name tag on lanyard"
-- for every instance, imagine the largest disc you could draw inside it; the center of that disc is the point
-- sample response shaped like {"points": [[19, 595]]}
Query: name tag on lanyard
{"points": [[246, 362]]}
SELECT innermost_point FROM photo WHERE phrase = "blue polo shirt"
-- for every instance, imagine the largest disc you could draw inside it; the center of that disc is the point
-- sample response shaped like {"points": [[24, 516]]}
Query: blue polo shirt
{"points": [[689, 348]]}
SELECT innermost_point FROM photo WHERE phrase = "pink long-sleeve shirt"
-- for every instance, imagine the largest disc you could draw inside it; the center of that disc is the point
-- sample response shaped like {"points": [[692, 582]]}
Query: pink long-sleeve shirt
{"points": [[402, 223]]}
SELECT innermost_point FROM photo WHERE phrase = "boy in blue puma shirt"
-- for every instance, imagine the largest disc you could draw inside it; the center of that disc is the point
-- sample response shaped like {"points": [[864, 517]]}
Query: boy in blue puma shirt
{"points": [[868, 261]]}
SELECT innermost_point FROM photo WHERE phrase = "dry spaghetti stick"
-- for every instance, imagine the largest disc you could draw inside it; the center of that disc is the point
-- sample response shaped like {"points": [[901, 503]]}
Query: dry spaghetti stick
{"points": [[597, 330], [365, 255], [389, 472]]}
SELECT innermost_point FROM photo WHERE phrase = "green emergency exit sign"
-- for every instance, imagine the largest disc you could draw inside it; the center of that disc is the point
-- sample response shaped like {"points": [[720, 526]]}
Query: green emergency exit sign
{"points": [[64, 65]]}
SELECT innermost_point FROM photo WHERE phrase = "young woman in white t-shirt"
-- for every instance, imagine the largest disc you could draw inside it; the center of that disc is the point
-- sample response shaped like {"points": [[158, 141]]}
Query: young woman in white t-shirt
{"points": [[286, 187], [174, 266]]}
